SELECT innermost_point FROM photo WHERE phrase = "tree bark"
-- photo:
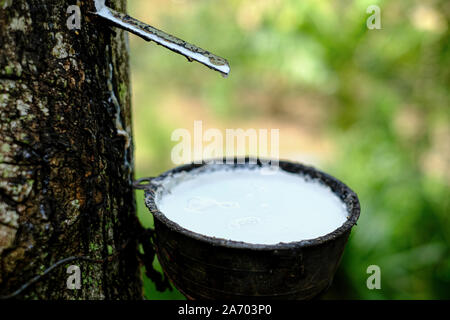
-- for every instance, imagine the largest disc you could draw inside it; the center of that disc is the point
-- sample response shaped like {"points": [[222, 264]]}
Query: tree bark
{"points": [[66, 159]]}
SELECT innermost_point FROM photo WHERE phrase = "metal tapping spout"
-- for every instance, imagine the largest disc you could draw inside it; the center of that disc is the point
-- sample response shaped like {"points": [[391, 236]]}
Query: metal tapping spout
{"points": [[149, 33]]}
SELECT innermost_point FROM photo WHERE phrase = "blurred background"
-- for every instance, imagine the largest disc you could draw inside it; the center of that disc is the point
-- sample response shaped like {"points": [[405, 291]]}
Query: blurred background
{"points": [[370, 107]]}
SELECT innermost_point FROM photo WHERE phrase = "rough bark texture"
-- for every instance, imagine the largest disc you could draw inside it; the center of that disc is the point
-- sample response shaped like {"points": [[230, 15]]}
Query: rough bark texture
{"points": [[66, 162]]}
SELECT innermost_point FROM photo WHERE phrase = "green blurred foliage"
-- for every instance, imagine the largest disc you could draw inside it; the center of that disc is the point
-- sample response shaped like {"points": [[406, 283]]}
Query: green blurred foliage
{"points": [[385, 97]]}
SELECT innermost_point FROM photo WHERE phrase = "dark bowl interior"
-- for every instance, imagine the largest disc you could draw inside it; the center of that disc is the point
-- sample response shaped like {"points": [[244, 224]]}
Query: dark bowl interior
{"points": [[204, 267]]}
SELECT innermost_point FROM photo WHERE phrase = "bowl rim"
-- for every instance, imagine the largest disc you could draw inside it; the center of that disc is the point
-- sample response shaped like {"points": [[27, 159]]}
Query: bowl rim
{"points": [[347, 195]]}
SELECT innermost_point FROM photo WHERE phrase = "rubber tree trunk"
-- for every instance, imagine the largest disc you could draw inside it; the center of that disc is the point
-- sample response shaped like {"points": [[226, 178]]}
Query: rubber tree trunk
{"points": [[66, 162]]}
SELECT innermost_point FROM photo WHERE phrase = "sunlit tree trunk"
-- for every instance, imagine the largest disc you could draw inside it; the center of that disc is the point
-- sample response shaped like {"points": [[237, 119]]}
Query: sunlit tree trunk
{"points": [[66, 160]]}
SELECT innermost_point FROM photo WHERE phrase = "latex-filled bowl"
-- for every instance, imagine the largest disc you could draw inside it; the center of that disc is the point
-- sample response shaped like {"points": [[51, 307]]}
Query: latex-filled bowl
{"points": [[204, 267]]}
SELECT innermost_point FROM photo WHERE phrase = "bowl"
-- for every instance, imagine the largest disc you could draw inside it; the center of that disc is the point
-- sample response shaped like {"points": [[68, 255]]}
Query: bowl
{"points": [[205, 267]]}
